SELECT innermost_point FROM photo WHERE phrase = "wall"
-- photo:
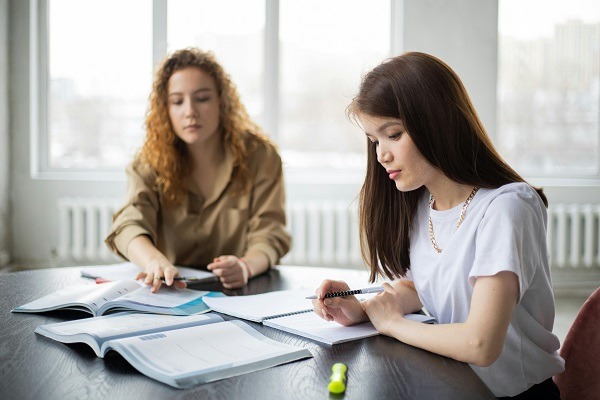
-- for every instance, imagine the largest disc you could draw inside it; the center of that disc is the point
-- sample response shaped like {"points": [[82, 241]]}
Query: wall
{"points": [[4, 137], [463, 33]]}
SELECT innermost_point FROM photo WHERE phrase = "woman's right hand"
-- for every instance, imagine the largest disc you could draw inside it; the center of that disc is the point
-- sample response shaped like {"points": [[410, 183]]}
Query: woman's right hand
{"points": [[154, 273], [343, 310], [155, 265]]}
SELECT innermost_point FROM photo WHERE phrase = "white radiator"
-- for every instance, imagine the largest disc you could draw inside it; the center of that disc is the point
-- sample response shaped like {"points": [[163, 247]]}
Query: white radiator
{"points": [[324, 233], [84, 222], [574, 235]]}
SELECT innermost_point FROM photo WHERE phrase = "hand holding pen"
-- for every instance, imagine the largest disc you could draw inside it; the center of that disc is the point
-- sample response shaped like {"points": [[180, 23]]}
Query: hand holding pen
{"points": [[340, 305], [156, 273]]}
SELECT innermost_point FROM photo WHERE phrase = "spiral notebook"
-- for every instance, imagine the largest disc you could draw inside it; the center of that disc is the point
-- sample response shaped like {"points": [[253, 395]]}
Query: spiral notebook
{"points": [[290, 311], [260, 307]]}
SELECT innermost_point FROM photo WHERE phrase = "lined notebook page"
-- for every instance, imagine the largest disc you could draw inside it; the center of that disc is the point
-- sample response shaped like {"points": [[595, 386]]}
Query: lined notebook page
{"points": [[258, 307], [311, 326]]}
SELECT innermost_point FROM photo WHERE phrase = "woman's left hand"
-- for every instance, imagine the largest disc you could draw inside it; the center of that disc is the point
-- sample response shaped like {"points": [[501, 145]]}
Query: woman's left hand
{"points": [[385, 308], [231, 271]]}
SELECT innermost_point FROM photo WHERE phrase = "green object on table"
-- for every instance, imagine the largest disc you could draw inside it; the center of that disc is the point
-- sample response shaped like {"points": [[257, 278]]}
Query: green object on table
{"points": [[337, 381]]}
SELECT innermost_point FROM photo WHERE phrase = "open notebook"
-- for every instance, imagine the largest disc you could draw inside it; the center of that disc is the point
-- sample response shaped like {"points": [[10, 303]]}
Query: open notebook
{"points": [[121, 296], [181, 351], [290, 311]]}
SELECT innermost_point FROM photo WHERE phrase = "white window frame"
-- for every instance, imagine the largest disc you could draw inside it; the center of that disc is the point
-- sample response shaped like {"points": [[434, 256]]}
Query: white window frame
{"points": [[39, 163]]}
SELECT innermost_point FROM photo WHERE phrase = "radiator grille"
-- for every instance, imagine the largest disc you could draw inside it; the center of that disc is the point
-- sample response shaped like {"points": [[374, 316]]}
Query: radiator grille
{"points": [[573, 238], [325, 233], [84, 222]]}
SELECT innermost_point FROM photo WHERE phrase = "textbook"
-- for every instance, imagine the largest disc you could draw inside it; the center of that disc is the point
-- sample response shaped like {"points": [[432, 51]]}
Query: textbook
{"points": [[290, 311], [181, 351], [121, 296], [128, 271]]}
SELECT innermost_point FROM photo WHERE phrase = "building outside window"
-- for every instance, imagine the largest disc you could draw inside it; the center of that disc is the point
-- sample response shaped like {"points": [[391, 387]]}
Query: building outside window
{"points": [[549, 87]]}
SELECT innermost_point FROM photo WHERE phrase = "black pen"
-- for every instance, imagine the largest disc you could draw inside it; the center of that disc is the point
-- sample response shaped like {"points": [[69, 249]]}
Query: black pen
{"points": [[185, 278], [176, 278], [376, 289]]}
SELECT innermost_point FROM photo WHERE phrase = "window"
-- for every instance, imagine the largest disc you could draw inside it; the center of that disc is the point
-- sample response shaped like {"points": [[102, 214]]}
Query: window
{"points": [[325, 48], [232, 29], [98, 81], [297, 65], [549, 87]]}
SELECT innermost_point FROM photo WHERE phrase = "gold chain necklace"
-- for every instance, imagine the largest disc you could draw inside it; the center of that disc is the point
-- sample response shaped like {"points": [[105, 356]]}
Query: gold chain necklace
{"points": [[460, 218]]}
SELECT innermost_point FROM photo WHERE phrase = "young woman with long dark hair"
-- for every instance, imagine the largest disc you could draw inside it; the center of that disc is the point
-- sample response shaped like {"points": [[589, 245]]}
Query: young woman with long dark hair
{"points": [[459, 230]]}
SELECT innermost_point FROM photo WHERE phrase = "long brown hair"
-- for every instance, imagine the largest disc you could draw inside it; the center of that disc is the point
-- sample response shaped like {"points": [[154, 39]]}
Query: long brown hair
{"points": [[167, 154], [430, 99]]}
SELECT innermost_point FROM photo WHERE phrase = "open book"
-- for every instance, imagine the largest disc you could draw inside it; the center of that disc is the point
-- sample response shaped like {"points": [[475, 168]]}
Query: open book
{"points": [[290, 311], [128, 271], [121, 296], [179, 351]]}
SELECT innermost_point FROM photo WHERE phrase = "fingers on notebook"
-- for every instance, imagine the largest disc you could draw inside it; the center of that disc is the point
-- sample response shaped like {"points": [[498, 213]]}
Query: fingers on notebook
{"points": [[326, 316]]}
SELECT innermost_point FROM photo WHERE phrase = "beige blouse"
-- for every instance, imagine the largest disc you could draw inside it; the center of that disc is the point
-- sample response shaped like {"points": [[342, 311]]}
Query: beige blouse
{"points": [[197, 230]]}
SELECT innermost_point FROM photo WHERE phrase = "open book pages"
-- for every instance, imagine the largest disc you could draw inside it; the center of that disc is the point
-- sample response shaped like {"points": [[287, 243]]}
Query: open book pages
{"points": [[97, 331], [198, 354], [311, 326], [122, 296], [258, 307], [290, 311], [128, 271]]}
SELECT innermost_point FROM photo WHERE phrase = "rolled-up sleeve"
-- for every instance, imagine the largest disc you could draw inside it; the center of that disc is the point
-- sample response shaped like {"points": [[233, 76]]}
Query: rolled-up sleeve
{"points": [[140, 213], [266, 230]]}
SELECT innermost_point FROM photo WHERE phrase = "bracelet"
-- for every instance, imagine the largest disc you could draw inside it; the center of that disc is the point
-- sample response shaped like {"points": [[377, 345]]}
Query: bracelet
{"points": [[246, 266]]}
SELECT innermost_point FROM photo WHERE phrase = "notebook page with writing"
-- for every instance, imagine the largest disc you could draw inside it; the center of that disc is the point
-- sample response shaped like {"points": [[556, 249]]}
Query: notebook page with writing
{"points": [[179, 351], [311, 326], [259, 307], [96, 331], [125, 324], [121, 296], [89, 298], [168, 300], [186, 357]]}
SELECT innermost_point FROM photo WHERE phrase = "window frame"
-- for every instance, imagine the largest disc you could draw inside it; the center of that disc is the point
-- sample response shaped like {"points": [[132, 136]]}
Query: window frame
{"points": [[39, 90], [38, 102]]}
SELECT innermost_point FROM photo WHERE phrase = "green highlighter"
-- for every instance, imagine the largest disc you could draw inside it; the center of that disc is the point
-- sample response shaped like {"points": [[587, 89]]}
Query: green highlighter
{"points": [[337, 381]]}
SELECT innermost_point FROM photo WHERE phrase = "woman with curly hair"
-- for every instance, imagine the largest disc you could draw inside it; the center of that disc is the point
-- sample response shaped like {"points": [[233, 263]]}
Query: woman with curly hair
{"points": [[206, 189], [459, 232]]}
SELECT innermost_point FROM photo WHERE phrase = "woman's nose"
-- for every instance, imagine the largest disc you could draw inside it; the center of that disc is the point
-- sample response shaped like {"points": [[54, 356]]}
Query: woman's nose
{"points": [[190, 111], [383, 156]]}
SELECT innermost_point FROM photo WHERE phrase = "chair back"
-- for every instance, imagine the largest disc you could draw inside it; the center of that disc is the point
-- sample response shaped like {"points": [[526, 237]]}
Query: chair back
{"points": [[581, 352]]}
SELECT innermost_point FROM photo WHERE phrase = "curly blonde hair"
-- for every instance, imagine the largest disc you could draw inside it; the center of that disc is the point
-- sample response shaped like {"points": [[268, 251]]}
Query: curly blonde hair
{"points": [[167, 154]]}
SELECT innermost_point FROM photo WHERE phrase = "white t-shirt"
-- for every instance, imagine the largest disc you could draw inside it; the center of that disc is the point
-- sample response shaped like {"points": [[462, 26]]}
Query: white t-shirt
{"points": [[504, 229]]}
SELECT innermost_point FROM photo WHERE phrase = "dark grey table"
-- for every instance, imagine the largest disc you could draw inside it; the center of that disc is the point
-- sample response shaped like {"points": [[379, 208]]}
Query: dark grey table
{"points": [[34, 367]]}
